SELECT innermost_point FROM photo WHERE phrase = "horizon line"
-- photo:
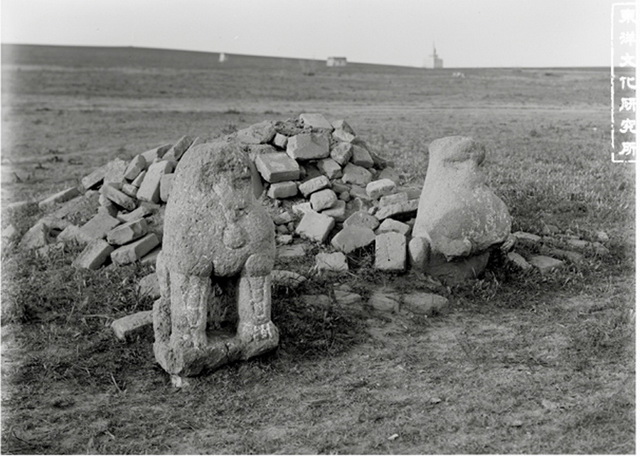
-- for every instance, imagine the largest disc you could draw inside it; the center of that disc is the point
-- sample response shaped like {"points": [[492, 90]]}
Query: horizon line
{"points": [[293, 57]]}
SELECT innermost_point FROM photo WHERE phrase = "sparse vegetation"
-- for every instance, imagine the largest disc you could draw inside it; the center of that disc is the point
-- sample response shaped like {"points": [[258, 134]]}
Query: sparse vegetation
{"points": [[521, 363]]}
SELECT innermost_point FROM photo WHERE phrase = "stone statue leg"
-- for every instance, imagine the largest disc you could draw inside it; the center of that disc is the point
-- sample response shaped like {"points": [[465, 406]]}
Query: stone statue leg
{"points": [[256, 332], [189, 300], [162, 306]]}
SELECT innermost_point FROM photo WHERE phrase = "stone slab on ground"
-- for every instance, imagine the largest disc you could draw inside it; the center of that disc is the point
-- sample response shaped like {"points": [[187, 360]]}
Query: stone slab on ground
{"points": [[571, 256], [286, 278], [134, 251], [128, 326], [545, 264], [315, 226], [527, 239], [518, 261], [94, 255], [334, 262], [289, 252], [391, 252], [351, 238], [346, 297], [277, 167], [424, 303], [385, 299]]}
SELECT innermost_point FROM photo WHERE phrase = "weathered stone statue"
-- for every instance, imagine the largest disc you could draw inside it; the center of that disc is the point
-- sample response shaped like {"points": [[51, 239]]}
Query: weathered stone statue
{"points": [[459, 218], [215, 266]]}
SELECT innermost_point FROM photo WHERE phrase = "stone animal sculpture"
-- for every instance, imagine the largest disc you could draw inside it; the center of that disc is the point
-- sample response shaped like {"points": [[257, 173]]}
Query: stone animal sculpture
{"points": [[459, 218], [214, 270]]}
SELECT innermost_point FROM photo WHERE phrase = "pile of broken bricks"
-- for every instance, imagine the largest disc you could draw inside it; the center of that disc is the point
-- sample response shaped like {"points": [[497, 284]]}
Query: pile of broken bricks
{"points": [[318, 177], [321, 182]]}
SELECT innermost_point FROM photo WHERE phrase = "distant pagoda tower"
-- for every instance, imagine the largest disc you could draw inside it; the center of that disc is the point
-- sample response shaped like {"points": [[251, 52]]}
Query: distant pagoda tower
{"points": [[223, 57], [437, 61]]}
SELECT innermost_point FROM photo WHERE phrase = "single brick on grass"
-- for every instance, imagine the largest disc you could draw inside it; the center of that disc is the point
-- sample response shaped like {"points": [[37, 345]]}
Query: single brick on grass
{"points": [[545, 264], [391, 252], [128, 326], [132, 252], [59, 197], [94, 255], [335, 262], [315, 226]]}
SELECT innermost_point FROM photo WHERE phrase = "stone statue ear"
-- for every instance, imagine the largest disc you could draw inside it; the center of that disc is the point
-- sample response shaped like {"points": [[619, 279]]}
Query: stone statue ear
{"points": [[256, 182]]}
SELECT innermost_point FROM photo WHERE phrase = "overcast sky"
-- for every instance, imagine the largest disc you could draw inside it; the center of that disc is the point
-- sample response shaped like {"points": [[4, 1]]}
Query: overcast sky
{"points": [[467, 33]]}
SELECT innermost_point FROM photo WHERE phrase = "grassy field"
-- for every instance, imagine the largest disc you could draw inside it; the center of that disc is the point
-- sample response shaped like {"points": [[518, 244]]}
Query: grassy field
{"points": [[520, 362]]}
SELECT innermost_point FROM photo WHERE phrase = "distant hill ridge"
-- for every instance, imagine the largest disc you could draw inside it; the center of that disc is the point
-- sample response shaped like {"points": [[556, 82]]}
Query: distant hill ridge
{"points": [[98, 56]]}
